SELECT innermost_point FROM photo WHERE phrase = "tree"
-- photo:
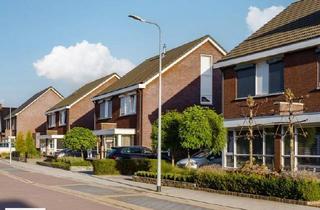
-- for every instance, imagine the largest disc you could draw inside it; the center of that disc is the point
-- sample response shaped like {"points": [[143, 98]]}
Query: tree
{"points": [[20, 144], [169, 133], [30, 146], [202, 128], [79, 138]]}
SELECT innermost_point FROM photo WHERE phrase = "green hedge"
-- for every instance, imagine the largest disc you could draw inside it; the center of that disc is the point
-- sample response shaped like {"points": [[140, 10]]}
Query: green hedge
{"points": [[60, 165], [74, 161], [268, 185], [129, 166]]}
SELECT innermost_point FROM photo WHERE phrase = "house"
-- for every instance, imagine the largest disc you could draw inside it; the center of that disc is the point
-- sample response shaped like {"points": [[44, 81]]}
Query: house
{"points": [[30, 115], [76, 110], [283, 54], [126, 110], [4, 111]]}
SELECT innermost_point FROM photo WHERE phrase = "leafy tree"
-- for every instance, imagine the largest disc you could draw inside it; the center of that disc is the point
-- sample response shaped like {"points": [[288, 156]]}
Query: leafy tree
{"points": [[30, 146], [169, 133], [79, 138], [20, 144], [202, 128]]}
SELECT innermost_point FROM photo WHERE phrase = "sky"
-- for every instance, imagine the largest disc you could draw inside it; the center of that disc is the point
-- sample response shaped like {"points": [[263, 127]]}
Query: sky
{"points": [[66, 43]]}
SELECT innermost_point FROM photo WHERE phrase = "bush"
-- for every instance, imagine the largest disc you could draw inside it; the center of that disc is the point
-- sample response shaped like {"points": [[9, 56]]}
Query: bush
{"points": [[4, 155], [74, 161], [105, 167], [130, 166], [283, 186], [60, 165]]}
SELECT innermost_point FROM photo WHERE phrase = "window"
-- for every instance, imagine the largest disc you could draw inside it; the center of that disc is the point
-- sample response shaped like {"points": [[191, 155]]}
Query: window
{"points": [[246, 82], [62, 117], [260, 79], [276, 77], [206, 79], [52, 120], [128, 104], [105, 109]]}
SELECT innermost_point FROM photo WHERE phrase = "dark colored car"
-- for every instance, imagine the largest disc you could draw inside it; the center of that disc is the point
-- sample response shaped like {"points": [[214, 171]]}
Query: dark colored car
{"points": [[131, 152]]}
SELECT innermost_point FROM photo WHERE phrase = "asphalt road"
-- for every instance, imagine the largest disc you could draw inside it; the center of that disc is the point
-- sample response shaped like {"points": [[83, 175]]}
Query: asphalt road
{"points": [[22, 189]]}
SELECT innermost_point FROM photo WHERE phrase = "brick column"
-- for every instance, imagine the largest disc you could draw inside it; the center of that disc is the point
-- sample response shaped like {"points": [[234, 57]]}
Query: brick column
{"points": [[277, 150]]}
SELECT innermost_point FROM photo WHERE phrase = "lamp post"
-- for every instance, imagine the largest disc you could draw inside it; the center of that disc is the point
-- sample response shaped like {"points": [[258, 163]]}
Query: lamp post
{"points": [[159, 100]]}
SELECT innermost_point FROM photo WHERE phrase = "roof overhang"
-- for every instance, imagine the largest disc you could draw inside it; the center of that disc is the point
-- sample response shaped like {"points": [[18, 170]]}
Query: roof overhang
{"points": [[114, 131], [57, 110], [51, 136], [268, 53], [313, 117], [118, 92]]}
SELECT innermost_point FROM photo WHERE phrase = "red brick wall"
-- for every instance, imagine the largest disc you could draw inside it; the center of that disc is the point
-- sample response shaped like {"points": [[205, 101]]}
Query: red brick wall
{"points": [[300, 75], [81, 114], [33, 118], [181, 89]]}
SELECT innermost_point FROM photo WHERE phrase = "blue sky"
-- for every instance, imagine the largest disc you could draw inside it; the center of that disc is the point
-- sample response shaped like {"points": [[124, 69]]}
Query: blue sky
{"points": [[31, 29]]}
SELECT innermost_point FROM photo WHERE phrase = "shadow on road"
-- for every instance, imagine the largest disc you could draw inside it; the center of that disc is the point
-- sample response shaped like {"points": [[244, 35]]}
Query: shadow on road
{"points": [[14, 204]]}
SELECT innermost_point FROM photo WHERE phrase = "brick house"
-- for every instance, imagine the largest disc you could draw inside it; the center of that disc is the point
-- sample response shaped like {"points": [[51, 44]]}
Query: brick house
{"points": [[30, 115], [4, 111], [76, 110], [126, 110], [283, 54]]}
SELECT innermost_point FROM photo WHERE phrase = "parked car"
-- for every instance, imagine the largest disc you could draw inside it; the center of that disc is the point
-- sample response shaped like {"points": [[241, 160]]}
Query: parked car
{"points": [[199, 159], [66, 153], [131, 152]]}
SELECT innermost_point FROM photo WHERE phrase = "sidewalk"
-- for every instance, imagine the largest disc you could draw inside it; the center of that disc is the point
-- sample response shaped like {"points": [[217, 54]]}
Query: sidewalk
{"points": [[199, 196]]}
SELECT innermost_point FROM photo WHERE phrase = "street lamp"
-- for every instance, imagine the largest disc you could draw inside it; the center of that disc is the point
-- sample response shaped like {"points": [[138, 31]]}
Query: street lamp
{"points": [[159, 99]]}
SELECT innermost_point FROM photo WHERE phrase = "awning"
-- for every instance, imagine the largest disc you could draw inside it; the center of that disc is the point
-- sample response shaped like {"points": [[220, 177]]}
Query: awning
{"points": [[115, 131], [51, 136]]}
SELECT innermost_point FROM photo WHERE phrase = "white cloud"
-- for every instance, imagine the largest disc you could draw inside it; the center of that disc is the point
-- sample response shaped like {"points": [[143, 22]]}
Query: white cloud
{"points": [[80, 63], [258, 17]]}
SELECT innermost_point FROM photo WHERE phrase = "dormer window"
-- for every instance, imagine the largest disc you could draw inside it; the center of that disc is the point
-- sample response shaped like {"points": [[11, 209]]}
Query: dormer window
{"points": [[128, 104], [62, 118], [52, 120], [263, 78]]}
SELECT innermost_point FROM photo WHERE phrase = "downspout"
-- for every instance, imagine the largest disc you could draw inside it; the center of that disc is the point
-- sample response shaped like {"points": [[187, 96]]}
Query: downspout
{"points": [[140, 116]]}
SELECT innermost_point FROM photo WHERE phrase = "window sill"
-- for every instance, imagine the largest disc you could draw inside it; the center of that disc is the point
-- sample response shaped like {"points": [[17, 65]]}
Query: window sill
{"points": [[261, 96], [60, 125], [125, 115], [52, 126], [104, 118]]}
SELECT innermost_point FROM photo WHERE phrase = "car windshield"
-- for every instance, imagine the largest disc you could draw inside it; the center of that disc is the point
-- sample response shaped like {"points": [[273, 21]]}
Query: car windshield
{"points": [[200, 154]]}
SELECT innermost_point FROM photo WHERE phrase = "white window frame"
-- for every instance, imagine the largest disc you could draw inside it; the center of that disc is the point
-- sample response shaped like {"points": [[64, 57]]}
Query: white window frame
{"points": [[64, 114], [107, 109], [52, 120], [234, 154], [125, 107], [261, 75], [211, 84]]}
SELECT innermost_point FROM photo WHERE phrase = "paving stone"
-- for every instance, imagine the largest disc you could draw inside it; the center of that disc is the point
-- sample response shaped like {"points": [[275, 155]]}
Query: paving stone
{"points": [[94, 190], [157, 204]]}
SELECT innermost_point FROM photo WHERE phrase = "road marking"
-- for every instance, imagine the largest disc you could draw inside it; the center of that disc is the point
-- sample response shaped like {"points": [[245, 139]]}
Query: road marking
{"points": [[27, 181]]}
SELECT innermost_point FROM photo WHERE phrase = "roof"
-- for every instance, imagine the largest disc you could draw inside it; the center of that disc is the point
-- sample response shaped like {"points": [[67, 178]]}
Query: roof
{"points": [[298, 22], [150, 67], [81, 92], [31, 100]]}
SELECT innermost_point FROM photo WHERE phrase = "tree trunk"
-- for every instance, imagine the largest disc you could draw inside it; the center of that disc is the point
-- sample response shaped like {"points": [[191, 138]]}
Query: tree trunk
{"points": [[188, 163], [82, 154], [250, 152], [172, 159]]}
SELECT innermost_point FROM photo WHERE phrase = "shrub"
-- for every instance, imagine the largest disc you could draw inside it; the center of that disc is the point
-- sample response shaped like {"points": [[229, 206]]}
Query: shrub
{"points": [[105, 167], [283, 186], [4, 155], [60, 165], [130, 166], [74, 161]]}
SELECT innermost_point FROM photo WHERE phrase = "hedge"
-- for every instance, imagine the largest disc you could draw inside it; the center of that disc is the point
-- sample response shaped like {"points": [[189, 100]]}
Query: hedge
{"points": [[129, 166], [74, 161], [269, 185], [60, 165]]}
